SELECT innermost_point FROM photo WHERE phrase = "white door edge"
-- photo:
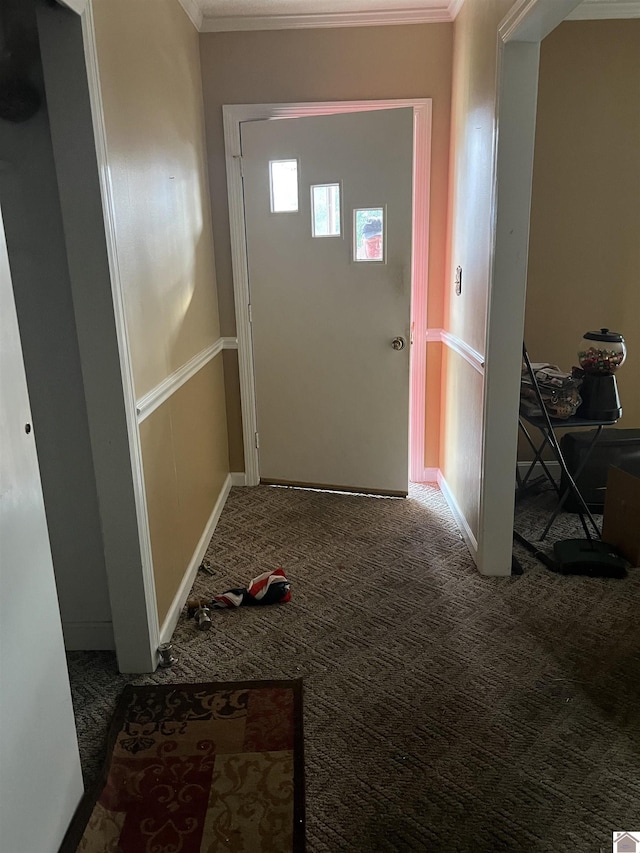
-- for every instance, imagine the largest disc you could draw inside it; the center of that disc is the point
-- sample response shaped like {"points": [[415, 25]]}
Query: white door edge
{"points": [[233, 115]]}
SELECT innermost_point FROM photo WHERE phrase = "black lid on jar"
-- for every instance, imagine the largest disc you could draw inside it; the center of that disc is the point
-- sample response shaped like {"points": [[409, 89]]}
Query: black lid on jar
{"points": [[604, 335]]}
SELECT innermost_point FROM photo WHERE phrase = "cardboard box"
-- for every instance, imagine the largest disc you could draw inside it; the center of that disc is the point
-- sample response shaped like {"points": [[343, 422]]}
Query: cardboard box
{"points": [[621, 523]]}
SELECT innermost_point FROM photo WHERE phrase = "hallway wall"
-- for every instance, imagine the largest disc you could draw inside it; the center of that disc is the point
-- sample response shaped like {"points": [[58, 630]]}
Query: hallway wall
{"points": [[473, 130], [148, 55]]}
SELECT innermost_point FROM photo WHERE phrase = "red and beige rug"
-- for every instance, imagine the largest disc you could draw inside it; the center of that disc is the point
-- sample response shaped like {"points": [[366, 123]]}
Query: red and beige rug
{"points": [[199, 768]]}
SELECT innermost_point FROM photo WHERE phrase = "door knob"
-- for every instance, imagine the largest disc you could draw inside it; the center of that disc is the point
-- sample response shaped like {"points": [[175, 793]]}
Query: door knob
{"points": [[398, 343]]}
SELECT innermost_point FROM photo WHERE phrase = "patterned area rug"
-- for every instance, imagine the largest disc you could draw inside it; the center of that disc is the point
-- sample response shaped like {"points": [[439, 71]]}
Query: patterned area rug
{"points": [[199, 768]]}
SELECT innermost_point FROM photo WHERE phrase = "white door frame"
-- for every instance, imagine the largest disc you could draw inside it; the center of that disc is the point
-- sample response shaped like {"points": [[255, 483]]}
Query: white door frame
{"points": [[133, 599], [233, 115], [519, 37]]}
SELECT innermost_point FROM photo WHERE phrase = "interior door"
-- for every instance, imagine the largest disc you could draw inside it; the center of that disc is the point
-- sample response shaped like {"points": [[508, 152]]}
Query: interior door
{"points": [[40, 776], [328, 214]]}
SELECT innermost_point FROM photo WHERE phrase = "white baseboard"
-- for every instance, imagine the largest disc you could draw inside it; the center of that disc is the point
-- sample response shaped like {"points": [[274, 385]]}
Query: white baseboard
{"points": [[171, 619], [88, 636], [238, 478], [465, 530], [553, 466]]}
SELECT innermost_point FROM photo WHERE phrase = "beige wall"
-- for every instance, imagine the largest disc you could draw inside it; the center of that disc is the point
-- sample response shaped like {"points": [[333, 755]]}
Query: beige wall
{"points": [[323, 65], [148, 54], [152, 94], [470, 243], [584, 256], [184, 451]]}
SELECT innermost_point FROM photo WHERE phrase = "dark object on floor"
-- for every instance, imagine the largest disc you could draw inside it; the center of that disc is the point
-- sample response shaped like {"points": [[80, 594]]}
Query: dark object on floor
{"points": [[538, 553], [268, 588], [579, 557], [589, 557], [203, 618], [618, 447], [167, 658], [188, 765], [206, 567]]}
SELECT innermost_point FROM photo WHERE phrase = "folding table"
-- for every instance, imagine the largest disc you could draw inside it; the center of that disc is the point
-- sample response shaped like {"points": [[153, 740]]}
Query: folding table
{"points": [[548, 426]]}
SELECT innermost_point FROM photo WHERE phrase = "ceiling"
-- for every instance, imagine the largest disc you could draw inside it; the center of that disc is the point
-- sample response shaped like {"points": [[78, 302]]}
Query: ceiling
{"points": [[221, 15]]}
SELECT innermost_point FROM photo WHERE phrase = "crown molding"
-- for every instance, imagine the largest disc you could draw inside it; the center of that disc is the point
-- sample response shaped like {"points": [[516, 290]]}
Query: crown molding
{"points": [[434, 15], [600, 10], [454, 8], [194, 13]]}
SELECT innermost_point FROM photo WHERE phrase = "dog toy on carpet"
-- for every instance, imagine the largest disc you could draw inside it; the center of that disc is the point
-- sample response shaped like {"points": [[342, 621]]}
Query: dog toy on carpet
{"points": [[268, 588]]}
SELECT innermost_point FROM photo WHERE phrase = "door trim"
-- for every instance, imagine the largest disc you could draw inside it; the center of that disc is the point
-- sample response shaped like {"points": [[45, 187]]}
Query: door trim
{"points": [[130, 657], [519, 35], [233, 115]]}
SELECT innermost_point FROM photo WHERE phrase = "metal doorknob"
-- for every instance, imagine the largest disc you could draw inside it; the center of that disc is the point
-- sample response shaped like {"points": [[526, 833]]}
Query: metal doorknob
{"points": [[398, 343]]}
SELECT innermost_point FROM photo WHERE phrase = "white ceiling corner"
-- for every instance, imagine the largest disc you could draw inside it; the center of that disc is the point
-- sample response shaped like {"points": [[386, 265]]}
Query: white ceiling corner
{"points": [[194, 12], [454, 8]]}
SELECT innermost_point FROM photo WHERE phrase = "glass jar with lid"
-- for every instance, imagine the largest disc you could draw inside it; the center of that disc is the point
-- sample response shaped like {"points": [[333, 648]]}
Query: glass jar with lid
{"points": [[601, 353]]}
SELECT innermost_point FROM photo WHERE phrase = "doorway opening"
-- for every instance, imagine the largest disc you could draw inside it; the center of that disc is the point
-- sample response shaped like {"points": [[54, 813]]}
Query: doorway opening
{"points": [[234, 116]]}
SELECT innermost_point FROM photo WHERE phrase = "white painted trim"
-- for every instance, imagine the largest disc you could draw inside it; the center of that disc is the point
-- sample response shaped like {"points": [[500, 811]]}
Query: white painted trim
{"points": [[233, 115], [419, 285], [171, 619], [454, 8], [470, 355], [461, 521], [158, 395], [532, 20], [599, 10], [238, 478], [455, 343], [517, 85], [88, 636], [149, 605], [77, 6], [383, 18], [194, 12]]}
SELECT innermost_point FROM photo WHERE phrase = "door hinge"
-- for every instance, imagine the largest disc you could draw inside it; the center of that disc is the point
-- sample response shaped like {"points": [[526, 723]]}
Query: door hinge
{"points": [[257, 437], [250, 313], [238, 157]]}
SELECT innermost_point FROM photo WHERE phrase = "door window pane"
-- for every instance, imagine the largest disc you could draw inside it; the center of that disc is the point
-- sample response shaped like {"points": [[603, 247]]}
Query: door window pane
{"points": [[325, 210], [283, 178], [368, 234]]}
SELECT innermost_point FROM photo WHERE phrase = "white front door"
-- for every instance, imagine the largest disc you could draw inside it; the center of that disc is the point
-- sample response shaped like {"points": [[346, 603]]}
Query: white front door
{"points": [[328, 215], [40, 777]]}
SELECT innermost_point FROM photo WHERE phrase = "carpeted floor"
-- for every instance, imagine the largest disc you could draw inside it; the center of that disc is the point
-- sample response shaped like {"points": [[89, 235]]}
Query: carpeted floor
{"points": [[443, 711]]}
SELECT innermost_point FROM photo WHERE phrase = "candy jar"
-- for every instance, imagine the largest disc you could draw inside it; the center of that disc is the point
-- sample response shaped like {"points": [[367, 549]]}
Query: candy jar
{"points": [[601, 353]]}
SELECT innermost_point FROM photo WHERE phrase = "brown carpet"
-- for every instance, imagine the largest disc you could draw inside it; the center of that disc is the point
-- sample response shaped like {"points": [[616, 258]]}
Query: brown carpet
{"points": [[443, 711], [199, 767]]}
